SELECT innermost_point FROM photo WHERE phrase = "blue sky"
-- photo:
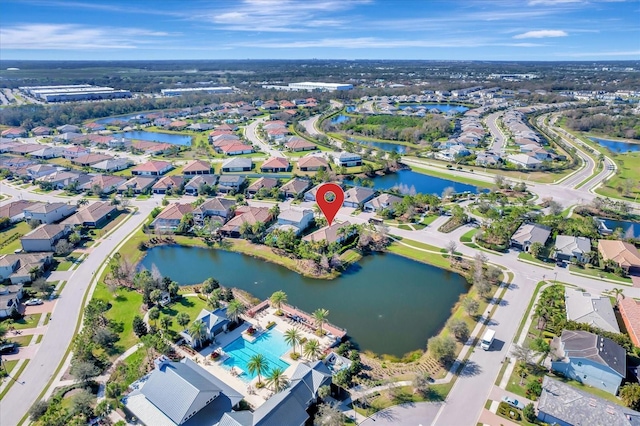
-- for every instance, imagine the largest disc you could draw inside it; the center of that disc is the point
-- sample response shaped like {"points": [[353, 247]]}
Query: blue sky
{"points": [[333, 29]]}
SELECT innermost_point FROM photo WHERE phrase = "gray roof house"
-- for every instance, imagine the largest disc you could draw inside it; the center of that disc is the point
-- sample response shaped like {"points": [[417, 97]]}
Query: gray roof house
{"points": [[10, 299], [590, 359], [193, 186], [137, 184], [529, 233], [288, 407], [588, 309], [564, 405], [181, 393], [569, 247], [357, 195], [237, 164], [228, 183], [295, 219], [44, 237], [295, 187], [49, 212], [382, 201], [213, 207], [215, 323]]}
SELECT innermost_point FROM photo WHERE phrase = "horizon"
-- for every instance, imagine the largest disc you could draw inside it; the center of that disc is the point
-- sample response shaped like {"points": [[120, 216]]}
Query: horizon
{"points": [[350, 30]]}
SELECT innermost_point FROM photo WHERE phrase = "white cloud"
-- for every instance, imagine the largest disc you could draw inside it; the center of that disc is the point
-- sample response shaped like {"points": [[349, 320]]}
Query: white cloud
{"points": [[378, 43], [635, 53], [74, 37], [541, 34]]}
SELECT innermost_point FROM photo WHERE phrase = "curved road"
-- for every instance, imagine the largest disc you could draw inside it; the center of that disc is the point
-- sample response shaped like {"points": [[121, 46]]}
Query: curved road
{"points": [[60, 330]]}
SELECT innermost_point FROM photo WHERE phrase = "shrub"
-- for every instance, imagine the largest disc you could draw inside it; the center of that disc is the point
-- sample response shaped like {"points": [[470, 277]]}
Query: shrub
{"points": [[294, 356], [534, 388], [529, 412]]}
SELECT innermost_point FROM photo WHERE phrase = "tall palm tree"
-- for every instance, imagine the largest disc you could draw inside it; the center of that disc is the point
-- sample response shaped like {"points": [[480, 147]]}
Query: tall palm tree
{"points": [[277, 379], [292, 336], [246, 230], [320, 317], [618, 293], [257, 364], [312, 349], [277, 299], [235, 308], [198, 331]]}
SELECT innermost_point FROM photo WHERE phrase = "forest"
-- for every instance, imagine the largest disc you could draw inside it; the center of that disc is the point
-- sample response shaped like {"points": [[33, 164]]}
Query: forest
{"points": [[399, 128], [620, 122]]}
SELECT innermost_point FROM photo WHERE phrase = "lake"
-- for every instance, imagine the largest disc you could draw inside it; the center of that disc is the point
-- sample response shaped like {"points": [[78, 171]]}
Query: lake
{"points": [[385, 146], [418, 182], [439, 107], [157, 137], [617, 146], [629, 229], [380, 312]]}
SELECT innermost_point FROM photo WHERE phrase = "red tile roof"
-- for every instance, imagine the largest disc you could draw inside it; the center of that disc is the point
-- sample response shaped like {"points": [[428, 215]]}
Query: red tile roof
{"points": [[312, 161], [196, 166], [275, 163], [235, 147], [630, 312], [152, 166]]}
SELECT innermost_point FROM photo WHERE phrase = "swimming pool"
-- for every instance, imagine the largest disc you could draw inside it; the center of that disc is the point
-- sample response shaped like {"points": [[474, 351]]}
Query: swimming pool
{"points": [[270, 344]]}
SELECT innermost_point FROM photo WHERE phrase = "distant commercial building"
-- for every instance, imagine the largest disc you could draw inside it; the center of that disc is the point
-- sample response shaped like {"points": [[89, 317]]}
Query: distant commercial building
{"points": [[310, 86], [180, 91], [76, 92]]}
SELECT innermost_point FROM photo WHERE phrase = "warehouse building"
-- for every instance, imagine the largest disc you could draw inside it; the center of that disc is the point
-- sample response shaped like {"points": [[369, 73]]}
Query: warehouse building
{"points": [[76, 92]]}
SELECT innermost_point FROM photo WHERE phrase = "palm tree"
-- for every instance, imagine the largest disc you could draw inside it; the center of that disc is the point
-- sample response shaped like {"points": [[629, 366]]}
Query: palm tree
{"points": [[320, 317], [257, 364], [292, 336], [82, 202], [277, 380], [245, 230], [618, 293], [198, 331], [312, 349], [277, 299], [165, 322], [235, 308]]}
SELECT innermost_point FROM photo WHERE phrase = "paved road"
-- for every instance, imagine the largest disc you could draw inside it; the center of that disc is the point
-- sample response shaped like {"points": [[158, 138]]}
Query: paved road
{"points": [[499, 141], [409, 414], [62, 324], [251, 133]]}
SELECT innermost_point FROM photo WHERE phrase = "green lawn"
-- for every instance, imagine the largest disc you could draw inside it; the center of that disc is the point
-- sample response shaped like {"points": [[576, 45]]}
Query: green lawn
{"points": [[191, 305], [65, 263], [467, 237], [14, 378], [10, 237], [526, 256], [21, 340], [599, 273], [9, 365], [431, 258], [29, 321], [123, 309]]}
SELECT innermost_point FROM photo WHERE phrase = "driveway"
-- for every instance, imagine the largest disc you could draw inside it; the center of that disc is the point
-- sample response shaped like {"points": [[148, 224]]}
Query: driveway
{"points": [[47, 306], [26, 352], [415, 414]]}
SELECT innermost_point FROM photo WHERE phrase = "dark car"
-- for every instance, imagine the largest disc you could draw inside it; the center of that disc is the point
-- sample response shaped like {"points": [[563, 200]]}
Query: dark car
{"points": [[560, 263], [8, 348]]}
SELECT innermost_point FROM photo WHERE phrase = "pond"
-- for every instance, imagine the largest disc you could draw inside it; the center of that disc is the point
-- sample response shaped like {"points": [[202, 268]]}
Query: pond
{"points": [[385, 146], [408, 181], [617, 146], [439, 107], [157, 137], [629, 229], [380, 312], [340, 118]]}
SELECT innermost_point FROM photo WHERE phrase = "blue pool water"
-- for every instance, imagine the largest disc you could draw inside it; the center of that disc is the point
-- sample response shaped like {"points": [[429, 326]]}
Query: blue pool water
{"points": [[270, 344]]}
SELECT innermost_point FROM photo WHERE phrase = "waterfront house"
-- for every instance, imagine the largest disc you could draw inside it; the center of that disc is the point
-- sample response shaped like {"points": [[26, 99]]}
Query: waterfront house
{"points": [[347, 159], [170, 217], [357, 196], [330, 234], [382, 201], [296, 219], [215, 322], [245, 214]]}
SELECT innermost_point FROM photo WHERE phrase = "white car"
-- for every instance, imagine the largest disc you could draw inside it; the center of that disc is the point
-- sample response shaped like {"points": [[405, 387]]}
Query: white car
{"points": [[513, 402], [33, 302]]}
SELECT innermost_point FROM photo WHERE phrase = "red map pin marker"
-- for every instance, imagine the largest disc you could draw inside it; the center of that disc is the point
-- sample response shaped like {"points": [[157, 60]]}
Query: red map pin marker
{"points": [[330, 208]]}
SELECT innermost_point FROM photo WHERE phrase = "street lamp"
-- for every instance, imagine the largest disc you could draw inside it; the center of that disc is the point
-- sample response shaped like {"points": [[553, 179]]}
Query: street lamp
{"points": [[556, 278]]}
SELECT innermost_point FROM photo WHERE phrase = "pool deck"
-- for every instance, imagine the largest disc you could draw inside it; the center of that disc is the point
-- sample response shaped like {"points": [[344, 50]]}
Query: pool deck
{"points": [[253, 396]]}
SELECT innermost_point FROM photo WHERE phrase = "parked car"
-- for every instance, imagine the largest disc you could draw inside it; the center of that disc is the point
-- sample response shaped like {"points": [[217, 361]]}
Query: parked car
{"points": [[33, 302], [513, 402], [561, 264], [8, 348]]}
